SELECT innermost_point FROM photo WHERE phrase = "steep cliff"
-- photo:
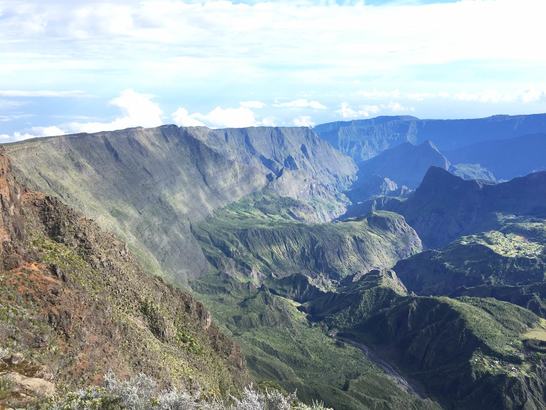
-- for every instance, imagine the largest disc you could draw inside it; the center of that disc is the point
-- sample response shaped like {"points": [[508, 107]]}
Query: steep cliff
{"points": [[149, 185]]}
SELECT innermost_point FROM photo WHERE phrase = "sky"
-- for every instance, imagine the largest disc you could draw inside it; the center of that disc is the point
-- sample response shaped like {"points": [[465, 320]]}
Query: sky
{"points": [[70, 66]]}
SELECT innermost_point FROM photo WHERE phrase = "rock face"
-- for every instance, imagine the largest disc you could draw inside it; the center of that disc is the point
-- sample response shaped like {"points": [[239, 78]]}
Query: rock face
{"points": [[74, 304], [472, 171], [445, 207], [149, 185], [363, 139]]}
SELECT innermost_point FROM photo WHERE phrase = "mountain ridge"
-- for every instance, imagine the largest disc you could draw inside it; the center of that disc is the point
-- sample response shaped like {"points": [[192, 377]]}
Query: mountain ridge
{"points": [[143, 183]]}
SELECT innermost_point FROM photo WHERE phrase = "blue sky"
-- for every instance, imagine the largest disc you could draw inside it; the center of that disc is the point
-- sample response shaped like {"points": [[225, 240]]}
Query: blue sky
{"points": [[83, 66]]}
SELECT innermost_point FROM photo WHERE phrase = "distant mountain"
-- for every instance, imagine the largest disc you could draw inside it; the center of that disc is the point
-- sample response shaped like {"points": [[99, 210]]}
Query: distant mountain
{"points": [[406, 165], [506, 158], [396, 171], [445, 206], [364, 139]]}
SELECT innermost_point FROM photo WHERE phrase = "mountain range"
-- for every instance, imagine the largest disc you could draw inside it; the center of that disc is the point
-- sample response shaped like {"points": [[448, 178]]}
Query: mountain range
{"points": [[371, 264]]}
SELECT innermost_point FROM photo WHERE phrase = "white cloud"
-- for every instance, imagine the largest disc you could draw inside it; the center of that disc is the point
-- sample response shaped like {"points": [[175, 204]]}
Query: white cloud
{"points": [[253, 104], [47, 131], [347, 112], [269, 122], [532, 95], [301, 103], [224, 117], [303, 121], [34, 132], [137, 110], [363, 111], [16, 136], [277, 49], [350, 38], [219, 117], [183, 118]]}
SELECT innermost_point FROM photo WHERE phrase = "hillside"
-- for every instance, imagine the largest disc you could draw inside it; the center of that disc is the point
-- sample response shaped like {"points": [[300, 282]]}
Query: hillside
{"points": [[364, 139], [255, 245], [75, 304], [149, 185], [489, 258], [266, 261], [245, 218], [467, 353], [283, 348]]}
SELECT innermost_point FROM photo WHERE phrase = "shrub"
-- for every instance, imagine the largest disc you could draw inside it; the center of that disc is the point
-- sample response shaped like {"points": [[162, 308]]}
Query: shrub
{"points": [[142, 393]]}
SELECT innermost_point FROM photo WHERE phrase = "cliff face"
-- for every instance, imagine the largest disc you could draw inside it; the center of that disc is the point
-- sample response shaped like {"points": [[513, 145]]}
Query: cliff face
{"points": [[405, 164], [402, 167], [149, 185], [74, 304]]}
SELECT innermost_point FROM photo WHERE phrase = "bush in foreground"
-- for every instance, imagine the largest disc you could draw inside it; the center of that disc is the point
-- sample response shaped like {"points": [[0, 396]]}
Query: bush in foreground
{"points": [[142, 393]]}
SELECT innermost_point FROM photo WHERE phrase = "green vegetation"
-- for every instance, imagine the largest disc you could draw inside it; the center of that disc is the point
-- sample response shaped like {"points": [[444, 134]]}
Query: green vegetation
{"points": [[537, 333], [510, 244], [440, 341], [281, 345], [262, 238], [5, 388], [74, 303]]}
